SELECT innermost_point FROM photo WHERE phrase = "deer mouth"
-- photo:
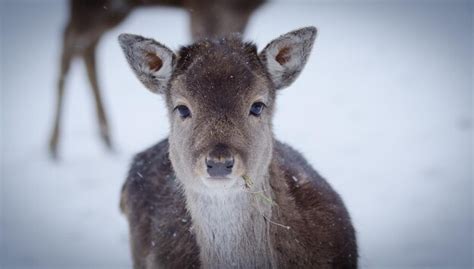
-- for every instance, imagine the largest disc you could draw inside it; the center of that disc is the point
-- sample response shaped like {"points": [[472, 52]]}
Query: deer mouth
{"points": [[219, 182], [219, 178]]}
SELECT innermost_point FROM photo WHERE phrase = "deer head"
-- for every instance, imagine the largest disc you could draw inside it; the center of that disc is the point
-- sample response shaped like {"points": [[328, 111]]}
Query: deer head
{"points": [[220, 96]]}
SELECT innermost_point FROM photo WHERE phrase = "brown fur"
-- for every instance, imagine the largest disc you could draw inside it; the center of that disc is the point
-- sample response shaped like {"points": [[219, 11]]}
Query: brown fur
{"points": [[164, 198], [320, 234]]}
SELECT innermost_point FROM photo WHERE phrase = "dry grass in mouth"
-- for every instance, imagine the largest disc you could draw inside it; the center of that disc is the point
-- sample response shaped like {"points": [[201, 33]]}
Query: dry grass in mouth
{"points": [[248, 181], [248, 185]]}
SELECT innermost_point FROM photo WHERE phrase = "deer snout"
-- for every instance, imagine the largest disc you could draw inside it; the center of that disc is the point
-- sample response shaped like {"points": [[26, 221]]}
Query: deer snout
{"points": [[220, 161]]}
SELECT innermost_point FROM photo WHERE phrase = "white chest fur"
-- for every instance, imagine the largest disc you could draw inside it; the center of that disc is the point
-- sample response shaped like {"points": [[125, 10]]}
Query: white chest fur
{"points": [[230, 229]]}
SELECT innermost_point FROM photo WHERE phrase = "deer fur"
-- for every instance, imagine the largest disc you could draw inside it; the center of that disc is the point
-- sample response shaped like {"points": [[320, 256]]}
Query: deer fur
{"points": [[179, 216]]}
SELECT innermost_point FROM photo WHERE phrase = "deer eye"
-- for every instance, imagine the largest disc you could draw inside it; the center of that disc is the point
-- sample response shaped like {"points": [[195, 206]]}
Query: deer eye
{"points": [[257, 109], [183, 111]]}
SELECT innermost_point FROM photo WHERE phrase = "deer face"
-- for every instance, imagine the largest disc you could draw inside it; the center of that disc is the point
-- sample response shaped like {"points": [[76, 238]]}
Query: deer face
{"points": [[220, 96]]}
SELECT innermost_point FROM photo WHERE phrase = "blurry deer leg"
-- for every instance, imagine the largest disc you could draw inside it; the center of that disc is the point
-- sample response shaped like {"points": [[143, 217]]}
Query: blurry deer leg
{"points": [[66, 58], [89, 59]]}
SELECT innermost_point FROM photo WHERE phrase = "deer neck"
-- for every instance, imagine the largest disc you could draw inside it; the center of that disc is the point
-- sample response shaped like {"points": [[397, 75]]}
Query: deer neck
{"points": [[231, 228]]}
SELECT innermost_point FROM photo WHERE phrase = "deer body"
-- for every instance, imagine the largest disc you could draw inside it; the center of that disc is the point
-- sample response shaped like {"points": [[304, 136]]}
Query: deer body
{"points": [[221, 192], [320, 233]]}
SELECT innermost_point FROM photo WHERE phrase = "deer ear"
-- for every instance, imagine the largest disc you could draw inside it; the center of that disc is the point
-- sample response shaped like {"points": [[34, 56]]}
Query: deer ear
{"points": [[152, 62], [285, 57]]}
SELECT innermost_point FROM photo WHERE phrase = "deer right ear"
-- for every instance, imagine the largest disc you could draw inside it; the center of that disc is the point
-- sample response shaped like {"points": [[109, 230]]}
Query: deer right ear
{"points": [[286, 56], [152, 62]]}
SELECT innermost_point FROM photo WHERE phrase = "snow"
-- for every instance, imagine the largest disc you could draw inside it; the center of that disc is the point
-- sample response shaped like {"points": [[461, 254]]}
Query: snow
{"points": [[383, 110]]}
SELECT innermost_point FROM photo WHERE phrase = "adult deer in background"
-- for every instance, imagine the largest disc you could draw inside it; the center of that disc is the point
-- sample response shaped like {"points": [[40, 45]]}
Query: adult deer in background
{"points": [[89, 20], [221, 191]]}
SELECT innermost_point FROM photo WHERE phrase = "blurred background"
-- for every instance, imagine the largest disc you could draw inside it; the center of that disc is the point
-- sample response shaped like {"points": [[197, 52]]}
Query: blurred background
{"points": [[383, 110]]}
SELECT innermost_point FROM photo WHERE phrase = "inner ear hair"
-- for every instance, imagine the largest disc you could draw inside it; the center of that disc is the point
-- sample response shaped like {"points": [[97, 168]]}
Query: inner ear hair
{"points": [[154, 62], [283, 55]]}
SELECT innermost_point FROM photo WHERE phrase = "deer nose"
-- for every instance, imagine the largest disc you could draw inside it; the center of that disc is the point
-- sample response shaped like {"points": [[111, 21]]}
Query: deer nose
{"points": [[220, 161]]}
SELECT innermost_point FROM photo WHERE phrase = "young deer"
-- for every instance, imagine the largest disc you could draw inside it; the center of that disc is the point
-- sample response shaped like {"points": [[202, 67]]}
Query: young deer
{"points": [[221, 192], [89, 20]]}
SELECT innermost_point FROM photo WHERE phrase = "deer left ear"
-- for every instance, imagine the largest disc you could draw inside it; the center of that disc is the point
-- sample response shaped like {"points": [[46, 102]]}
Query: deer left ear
{"points": [[285, 57], [152, 62]]}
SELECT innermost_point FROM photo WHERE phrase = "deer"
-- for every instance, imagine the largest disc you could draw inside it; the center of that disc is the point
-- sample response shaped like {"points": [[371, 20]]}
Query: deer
{"points": [[90, 20], [221, 191]]}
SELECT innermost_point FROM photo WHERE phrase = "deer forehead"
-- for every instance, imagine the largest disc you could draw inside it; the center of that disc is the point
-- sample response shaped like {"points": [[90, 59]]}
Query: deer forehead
{"points": [[218, 82]]}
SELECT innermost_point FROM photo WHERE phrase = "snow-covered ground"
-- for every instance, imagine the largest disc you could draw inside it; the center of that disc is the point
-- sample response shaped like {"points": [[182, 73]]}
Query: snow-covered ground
{"points": [[383, 110]]}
